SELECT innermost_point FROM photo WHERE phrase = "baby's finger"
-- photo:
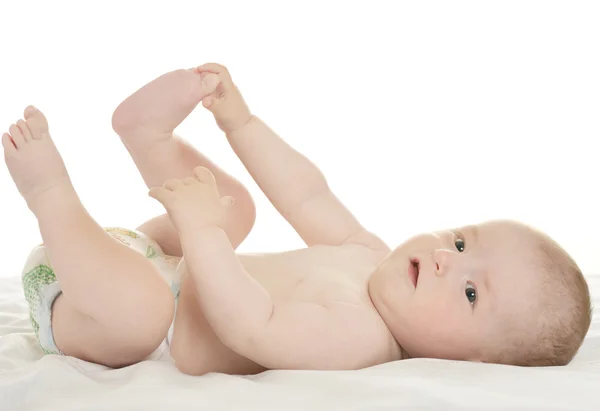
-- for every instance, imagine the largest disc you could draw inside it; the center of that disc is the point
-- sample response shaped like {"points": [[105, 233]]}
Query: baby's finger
{"points": [[173, 184], [207, 101], [162, 195], [190, 180], [210, 82], [204, 175], [217, 69]]}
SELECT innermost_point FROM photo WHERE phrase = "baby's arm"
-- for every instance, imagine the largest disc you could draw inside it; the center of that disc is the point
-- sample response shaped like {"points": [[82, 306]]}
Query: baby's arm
{"points": [[286, 335], [297, 188], [293, 184], [304, 335], [239, 310], [233, 302]]}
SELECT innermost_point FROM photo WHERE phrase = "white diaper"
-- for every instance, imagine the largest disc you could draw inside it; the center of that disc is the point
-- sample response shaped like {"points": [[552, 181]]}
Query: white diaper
{"points": [[41, 287]]}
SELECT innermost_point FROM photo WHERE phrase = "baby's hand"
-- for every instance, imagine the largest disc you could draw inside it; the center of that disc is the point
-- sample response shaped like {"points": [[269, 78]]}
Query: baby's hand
{"points": [[194, 202], [226, 102]]}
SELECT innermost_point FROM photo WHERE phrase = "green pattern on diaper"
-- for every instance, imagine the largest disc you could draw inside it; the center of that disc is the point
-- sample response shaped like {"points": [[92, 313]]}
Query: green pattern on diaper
{"points": [[150, 252], [42, 275], [123, 231], [33, 282]]}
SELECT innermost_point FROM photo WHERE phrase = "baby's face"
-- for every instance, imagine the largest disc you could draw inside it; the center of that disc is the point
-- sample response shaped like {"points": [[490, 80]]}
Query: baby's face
{"points": [[452, 294]]}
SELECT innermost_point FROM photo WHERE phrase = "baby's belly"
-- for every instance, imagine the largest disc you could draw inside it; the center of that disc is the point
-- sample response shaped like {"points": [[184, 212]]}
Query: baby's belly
{"points": [[303, 276]]}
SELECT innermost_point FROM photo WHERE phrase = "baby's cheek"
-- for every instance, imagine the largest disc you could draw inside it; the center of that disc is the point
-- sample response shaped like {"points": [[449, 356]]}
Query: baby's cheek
{"points": [[420, 243], [435, 308]]}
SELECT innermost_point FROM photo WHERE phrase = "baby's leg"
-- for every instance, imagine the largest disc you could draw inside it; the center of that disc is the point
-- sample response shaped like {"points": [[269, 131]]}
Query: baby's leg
{"points": [[114, 309], [145, 121]]}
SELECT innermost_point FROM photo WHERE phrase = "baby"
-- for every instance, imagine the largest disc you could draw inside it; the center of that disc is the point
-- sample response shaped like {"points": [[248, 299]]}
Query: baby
{"points": [[175, 288]]}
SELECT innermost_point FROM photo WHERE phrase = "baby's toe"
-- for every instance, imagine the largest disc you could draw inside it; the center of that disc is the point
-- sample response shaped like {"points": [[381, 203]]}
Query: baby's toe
{"points": [[16, 135], [29, 111], [24, 129], [37, 122], [7, 143]]}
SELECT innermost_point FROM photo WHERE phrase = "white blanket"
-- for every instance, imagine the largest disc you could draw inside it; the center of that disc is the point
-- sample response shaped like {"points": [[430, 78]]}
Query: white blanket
{"points": [[31, 381]]}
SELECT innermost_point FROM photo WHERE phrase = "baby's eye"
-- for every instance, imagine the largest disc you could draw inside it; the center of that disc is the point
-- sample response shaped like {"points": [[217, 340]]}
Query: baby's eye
{"points": [[460, 244], [471, 293]]}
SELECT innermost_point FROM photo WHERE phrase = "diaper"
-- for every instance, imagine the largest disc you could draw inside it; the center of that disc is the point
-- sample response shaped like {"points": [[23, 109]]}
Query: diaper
{"points": [[41, 287]]}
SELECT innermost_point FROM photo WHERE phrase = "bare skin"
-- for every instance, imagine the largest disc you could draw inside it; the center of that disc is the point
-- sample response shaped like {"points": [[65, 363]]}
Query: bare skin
{"points": [[322, 289], [347, 301], [104, 314]]}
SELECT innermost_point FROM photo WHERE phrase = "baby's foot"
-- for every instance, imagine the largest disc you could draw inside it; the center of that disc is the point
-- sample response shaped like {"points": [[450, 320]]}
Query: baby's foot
{"points": [[33, 160], [226, 102], [152, 113]]}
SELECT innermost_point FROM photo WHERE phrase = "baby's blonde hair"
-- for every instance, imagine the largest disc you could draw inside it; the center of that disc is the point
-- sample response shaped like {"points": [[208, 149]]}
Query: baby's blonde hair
{"points": [[565, 311]]}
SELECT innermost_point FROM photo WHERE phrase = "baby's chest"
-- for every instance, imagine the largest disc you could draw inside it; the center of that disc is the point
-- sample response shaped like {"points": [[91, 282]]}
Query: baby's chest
{"points": [[325, 289], [310, 277]]}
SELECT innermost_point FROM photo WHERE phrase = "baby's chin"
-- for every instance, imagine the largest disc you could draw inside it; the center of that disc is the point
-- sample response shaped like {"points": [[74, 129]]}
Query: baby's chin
{"points": [[420, 342]]}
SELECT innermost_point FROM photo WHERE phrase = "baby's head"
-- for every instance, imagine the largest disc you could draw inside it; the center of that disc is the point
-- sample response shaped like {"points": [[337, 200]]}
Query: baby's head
{"points": [[498, 292]]}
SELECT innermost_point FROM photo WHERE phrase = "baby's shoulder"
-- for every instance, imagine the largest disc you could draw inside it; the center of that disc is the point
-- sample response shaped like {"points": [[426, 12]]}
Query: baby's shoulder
{"points": [[372, 336]]}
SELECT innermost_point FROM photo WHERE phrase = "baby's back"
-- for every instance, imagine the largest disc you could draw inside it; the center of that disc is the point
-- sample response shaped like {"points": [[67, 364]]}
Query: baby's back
{"points": [[331, 277]]}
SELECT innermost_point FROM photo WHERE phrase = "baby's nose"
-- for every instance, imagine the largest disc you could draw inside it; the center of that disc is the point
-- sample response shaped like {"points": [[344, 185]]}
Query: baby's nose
{"points": [[442, 259]]}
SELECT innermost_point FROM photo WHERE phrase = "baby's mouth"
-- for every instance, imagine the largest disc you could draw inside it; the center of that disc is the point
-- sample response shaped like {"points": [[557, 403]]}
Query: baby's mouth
{"points": [[413, 271]]}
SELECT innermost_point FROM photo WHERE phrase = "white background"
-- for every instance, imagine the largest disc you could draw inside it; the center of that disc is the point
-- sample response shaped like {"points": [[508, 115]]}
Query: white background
{"points": [[422, 115]]}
